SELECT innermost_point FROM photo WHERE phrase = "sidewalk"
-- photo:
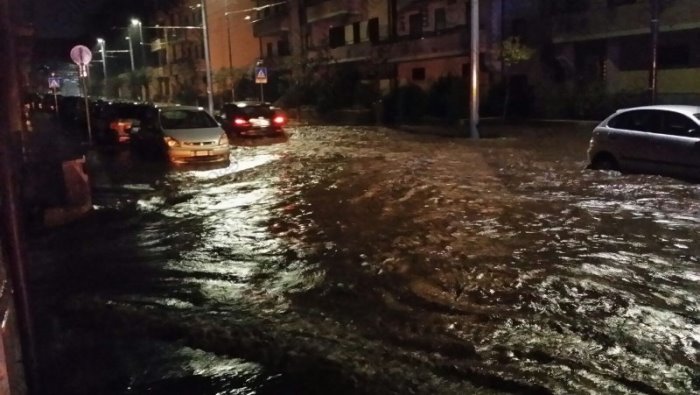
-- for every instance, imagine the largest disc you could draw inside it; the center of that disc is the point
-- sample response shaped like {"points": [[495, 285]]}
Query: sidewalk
{"points": [[496, 127]]}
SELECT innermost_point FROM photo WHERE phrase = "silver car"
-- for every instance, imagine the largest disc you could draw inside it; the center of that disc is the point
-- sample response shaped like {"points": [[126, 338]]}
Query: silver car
{"points": [[653, 139], [183, 134]]}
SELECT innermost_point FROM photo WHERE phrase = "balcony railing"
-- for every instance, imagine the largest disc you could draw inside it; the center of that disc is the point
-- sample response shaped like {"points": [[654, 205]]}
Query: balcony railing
{"points": [[456, 42], [271, 26], [332, 8]]}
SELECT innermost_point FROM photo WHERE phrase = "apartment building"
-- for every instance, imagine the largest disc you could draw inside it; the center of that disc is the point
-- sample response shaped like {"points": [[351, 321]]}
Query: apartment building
{"points": [[389, 41], [609, 41], [179, 72]]}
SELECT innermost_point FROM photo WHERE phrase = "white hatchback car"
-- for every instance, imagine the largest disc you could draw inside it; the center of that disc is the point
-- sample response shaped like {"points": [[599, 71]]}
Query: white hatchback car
{"points": [[184, 134], [652, 139]]}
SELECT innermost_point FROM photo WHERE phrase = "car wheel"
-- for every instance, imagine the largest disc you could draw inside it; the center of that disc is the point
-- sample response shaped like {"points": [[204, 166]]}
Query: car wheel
{"points": [[604, 162]]}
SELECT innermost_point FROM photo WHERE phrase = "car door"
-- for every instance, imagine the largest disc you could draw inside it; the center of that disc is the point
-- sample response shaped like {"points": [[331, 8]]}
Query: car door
{"points": [[678, 145], [631, 137]]}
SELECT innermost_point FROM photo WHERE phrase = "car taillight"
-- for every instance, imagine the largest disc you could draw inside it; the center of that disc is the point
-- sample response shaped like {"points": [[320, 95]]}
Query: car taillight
{"points": [[279, 120], [240, 122]]}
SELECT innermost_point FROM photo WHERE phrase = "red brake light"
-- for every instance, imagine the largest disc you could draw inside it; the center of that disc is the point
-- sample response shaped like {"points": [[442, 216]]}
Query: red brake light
{"points": [[279, 120], [240, 122]]}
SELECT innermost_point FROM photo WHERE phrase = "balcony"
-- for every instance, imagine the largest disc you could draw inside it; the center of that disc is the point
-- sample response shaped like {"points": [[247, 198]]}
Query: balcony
{"points": [[625, 20], [352, 52], [271, 26], [453, 43], [332, 8]]}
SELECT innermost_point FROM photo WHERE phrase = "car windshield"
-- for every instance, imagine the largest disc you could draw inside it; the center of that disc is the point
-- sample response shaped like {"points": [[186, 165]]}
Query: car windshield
{"points": [[251, 111], [186, 119]]}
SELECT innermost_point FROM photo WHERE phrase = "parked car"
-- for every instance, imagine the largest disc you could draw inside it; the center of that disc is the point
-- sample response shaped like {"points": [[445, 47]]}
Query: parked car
{"points": [[183, 134], [653, 139], [112, 121], [252, 118]]}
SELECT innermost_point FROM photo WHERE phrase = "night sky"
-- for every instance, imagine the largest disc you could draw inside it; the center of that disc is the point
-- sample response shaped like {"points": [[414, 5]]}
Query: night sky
{"points": [[64, 18]]}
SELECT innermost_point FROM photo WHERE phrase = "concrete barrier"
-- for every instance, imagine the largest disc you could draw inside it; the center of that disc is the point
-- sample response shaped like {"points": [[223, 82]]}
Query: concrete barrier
{"points": [[78, 199]]}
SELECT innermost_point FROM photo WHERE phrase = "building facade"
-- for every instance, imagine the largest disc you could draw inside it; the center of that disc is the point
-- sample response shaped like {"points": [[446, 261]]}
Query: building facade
{"points": [[179, 69], [609, 41]]}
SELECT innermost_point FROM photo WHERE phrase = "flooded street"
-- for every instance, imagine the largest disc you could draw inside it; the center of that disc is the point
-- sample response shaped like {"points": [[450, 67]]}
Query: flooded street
{"points": [[369, 261]]}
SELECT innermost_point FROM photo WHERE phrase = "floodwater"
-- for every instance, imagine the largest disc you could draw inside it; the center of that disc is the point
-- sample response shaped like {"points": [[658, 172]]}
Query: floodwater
{"points": [[367, 261]]}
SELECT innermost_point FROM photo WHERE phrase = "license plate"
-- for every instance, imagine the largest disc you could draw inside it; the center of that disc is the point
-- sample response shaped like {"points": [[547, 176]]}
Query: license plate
{"points": [[260, 122], [201, 153]]}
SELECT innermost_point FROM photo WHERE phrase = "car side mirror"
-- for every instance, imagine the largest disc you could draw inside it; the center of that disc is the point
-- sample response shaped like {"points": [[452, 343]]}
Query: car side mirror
{"points": [[694, 132]]}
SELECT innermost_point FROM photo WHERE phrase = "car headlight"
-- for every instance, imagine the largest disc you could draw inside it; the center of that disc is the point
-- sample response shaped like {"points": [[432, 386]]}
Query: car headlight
{"points": [[171, 142], [223, 139]]}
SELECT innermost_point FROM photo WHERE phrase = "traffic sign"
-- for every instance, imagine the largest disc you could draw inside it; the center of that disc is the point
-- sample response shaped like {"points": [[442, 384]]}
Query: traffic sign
{"points": [[54, 83], [261, 75], [81, 55]]}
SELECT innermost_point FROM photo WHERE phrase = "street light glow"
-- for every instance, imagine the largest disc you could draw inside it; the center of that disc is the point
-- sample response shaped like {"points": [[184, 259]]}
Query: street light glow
{"points": [[135, 22]]}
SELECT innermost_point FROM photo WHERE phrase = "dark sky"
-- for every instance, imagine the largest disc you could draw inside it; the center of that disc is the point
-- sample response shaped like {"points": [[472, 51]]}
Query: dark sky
{"points": [[64, 18]]}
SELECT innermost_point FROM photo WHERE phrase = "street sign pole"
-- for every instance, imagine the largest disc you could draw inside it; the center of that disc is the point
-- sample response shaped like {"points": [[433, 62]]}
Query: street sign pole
{"points": [[55, 101], [82, 56], [261, 79]]}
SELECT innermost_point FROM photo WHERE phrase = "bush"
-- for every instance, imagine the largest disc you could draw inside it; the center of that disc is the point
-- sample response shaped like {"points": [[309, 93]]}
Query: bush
{"points": [[448, 98], [407, 103]]}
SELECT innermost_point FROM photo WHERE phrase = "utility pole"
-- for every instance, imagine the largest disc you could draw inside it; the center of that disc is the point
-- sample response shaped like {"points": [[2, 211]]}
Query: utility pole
{"points": [[474, 102], [654, 64]]}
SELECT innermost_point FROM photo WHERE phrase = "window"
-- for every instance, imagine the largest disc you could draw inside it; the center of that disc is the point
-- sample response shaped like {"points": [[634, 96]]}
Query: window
{"points": [[615, 3], [518, 28], [440, 19], [676, 56], [643, 121], [678, 124], [336, 36], [283, 48], [415, 25], [373, 30], [356, 32], [418, 74], [270, 53]]}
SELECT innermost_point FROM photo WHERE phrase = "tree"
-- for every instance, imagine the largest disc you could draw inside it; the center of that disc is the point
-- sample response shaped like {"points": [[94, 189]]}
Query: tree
{"points": [[513, 52]]}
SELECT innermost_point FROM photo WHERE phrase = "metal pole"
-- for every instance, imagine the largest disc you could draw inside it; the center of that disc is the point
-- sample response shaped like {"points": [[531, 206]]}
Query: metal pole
{"points": [[131, 53], [104, 59], [83, 71], [230, 52], [207, 55], [654, 66], [474, 104]]}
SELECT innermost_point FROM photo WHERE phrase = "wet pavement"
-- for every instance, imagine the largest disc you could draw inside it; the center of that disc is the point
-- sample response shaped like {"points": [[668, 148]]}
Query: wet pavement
{"points": [[369, 261]]}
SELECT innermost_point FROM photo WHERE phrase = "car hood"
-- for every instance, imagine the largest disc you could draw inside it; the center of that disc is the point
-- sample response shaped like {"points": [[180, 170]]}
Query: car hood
{"points": [[199, 135]]}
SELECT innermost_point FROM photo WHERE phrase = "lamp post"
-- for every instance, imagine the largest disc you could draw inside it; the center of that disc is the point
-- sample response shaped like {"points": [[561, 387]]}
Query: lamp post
{"points": [[131, 53], [101, 42], [230, 56], [136, 22], [207, 55]]}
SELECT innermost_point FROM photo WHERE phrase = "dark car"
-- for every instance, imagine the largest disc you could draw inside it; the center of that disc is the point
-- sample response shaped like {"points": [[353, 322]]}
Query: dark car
{"points": [[250, 118], [113, 121]]}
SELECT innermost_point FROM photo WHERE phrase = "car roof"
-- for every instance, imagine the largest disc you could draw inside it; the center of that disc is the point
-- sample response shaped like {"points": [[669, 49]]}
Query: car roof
{"points": [[174, 107], [683, 109], [246, 103]]}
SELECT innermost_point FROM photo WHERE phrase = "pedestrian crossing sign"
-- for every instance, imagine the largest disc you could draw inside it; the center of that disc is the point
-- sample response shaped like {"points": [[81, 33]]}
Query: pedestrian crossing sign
{"points": [[261, 75], [54, 83]]}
